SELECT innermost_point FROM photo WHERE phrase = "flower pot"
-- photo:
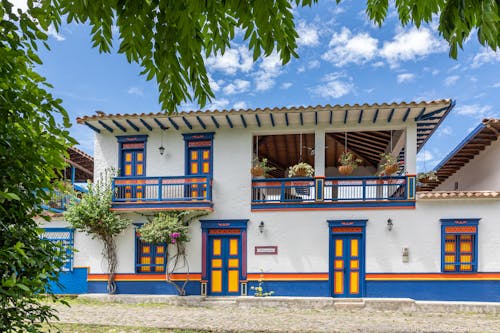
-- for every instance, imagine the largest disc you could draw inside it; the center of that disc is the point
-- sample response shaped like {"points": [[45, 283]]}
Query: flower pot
{"points": [[257, 171], [345, 170], [391, 169]]}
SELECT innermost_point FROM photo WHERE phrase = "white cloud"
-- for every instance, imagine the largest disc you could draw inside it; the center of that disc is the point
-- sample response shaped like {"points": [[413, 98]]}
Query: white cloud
{"points": [[451, 80], [301, 69], [240, 105], [269, 69], [233, 60], [378, 64], [476, 111], [19, 4], [344, 48], [286, 85], [411, 45], [237, 87], [334, 85], [446, 130], [308, 35], [313, 64], [425, 156], [214, 85], [218, 104], [135, 91], [56, 35], [496, 85], [405, 77], [486, 56]]}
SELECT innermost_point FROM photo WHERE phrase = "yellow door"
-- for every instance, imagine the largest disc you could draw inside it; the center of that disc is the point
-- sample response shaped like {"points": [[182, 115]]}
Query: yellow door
{"points": [[347, 266], [224, 265]]}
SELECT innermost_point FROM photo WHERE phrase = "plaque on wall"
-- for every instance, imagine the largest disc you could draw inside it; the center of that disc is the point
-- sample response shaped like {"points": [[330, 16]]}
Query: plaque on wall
{"points": [[266, 250]]}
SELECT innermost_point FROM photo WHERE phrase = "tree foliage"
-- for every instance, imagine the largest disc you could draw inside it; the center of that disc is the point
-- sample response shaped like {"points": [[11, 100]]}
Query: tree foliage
{"points": [[171, 39], [92, 214], [33, 143]]}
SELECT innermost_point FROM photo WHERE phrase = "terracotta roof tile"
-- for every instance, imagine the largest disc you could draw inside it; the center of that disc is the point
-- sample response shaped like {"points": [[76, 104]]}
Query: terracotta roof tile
{"points": [[458, 195]]}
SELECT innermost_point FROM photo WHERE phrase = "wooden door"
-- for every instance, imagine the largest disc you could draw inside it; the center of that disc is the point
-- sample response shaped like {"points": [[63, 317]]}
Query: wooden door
{"points": [[348, 266], [224, 266]]}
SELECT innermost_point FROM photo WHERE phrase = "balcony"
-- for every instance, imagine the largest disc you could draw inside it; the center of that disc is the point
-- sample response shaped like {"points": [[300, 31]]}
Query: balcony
{"points": [[162, 193], [367, 192]]}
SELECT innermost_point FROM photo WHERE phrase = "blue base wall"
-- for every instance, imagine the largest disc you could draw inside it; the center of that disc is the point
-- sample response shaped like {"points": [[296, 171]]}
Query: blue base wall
{"points": [[481, 291], [74, 282], [144, 287], [484, 291], [293, 288]]}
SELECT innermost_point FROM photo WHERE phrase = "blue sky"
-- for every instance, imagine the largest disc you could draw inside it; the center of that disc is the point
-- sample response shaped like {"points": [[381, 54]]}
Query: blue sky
{"points": [[343, 59]]}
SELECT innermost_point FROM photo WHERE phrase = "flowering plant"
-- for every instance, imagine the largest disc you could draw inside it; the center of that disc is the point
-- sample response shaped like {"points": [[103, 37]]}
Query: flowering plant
{"points": [[427, 177], [259, 290], [260, 167], [301, 169], [347, 158], [390, 164]]}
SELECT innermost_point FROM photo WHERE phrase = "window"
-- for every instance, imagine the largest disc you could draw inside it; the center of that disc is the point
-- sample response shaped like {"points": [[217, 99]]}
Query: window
{"points": [[149, 258], [459, 245], [62, 236]]}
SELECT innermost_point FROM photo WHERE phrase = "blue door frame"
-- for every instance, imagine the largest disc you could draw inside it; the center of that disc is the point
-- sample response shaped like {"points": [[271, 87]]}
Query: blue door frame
{"points": [[229, 260], [347, 258]]}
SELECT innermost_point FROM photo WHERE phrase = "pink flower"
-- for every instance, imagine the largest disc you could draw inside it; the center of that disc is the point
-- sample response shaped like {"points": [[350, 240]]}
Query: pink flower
{"points": [[173, 241]]}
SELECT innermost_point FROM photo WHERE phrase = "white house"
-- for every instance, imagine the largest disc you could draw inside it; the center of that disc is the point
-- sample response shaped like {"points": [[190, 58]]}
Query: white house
{"points": [[362, 235]]}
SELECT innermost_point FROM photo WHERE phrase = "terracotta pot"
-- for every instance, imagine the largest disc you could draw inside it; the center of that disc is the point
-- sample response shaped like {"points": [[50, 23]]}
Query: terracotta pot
{"points": [[257, 171], [345, 170], [391, 169]]}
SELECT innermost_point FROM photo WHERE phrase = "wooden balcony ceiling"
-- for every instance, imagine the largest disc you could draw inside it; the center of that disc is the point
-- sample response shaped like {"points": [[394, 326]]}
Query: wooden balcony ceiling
{"points": [[83, 163], [283, 151], [480, 138], [427, 115]]}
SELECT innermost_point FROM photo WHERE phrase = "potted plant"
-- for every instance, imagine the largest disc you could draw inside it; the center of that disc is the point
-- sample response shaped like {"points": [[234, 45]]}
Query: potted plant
{"points": [[260, 168], [390, 165], [301, 169], [427, 177], [348, 162]]}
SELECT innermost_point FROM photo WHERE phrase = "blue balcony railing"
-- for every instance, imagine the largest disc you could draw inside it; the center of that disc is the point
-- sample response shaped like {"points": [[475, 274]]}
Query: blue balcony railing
{"points": [[333, 192], [161, 192]]}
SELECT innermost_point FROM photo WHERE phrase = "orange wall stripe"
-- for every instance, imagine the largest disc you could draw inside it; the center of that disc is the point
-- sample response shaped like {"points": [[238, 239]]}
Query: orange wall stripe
{"points": [[431, 276], [144, 277], [287, 276]]}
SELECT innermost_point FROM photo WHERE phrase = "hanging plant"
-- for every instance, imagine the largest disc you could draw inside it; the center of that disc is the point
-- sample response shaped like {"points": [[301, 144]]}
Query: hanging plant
{"points": [[301, 169], [260, 168], [427, 177], [390, 164], [172, 227], [348, 162]]}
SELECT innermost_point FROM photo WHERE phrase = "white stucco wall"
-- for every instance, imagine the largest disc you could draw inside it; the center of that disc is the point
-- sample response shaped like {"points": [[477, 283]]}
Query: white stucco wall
{"points": [[481, 174], [302, 237]]}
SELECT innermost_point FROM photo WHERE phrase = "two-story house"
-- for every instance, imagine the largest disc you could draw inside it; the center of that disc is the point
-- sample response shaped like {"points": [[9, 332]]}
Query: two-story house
{"points": [[361, 235]]}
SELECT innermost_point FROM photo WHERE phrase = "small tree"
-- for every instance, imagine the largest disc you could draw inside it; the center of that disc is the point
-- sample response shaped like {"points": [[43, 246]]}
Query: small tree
{"points": [[93, 215], [172, 227]]}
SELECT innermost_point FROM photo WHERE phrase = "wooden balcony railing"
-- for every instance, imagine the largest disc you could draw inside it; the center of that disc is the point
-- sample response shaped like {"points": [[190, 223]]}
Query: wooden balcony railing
{"points": [[181, 192], [332, 192]]}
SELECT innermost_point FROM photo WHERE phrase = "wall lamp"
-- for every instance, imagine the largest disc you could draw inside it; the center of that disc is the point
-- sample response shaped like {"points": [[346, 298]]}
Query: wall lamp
{"points": [[261, 226], [389, 224], [161, 150]]}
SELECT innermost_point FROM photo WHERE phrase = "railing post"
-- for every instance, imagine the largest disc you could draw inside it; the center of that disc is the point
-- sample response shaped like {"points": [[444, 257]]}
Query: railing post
{"points": [[113, 196], [282, 198], [363, 184], [410, 187], [209, 188], [319, 188], [160, 187]]}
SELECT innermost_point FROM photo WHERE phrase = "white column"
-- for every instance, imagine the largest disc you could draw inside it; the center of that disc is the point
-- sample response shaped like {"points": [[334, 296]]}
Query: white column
{"points": [[411, 149], [319, 152]]}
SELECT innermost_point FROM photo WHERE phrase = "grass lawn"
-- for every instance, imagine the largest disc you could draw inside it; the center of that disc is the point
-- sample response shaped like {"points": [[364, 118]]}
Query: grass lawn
{"points": [[89, 328]]}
